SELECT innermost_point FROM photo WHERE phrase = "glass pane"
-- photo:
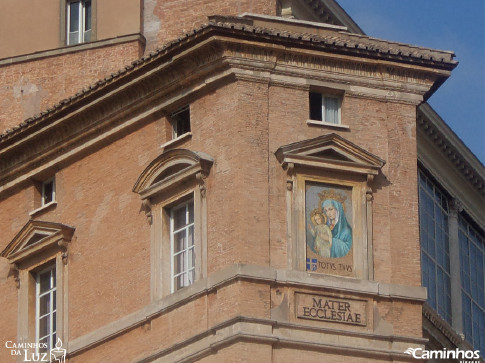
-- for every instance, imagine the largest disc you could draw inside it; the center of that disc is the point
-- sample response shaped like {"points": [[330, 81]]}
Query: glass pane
{"points": [[191, 236], [191, 212], [87, 16], [54, 300], [73, 38], [87, 35], [42, 342], [179, 263], [331, 110], [179, 241], [315, 106], [48, 189], [179, 217], [191, 256], [44, 325], [191, 277], [44, 304], [45, 281], [179, 282], [54, 324], [74, 16]]}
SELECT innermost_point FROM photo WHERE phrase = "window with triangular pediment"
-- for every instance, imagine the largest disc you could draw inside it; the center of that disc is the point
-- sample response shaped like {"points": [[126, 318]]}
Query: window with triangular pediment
{"points": [[329, 182], [38, 250]]}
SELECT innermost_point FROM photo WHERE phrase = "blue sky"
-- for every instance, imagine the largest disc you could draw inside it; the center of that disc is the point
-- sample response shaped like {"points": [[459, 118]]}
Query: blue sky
{"points": [[439, 24]]}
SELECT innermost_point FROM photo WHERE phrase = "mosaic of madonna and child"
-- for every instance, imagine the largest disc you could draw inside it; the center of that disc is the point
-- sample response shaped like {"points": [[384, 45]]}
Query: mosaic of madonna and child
{"points": [[328, 211]]}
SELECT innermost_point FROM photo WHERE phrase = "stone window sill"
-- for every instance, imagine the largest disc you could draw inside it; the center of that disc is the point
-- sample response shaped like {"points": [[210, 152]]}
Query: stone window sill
{"points": [[45, 207], [327, 124], [177, 140]]}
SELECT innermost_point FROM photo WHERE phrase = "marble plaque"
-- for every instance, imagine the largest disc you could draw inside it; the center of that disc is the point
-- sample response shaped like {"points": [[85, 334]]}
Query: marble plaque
{"points": [[331, 309]]}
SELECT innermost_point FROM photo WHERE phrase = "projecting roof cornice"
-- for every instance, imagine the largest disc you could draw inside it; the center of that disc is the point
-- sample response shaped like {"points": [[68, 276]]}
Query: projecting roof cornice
{"points": [[333, 42], [221, 51], [452, 148]]}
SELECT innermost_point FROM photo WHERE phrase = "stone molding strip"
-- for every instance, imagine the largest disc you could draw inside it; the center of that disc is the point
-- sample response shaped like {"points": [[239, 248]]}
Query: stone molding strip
{"points": [[252, 273], [443, 327], [452, 147], [73, 48], [271, 332]]}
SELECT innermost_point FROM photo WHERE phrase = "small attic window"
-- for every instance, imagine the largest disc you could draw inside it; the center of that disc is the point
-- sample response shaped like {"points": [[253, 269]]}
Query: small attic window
{"points": [[324, 108], [48, 191], [180, 121]]}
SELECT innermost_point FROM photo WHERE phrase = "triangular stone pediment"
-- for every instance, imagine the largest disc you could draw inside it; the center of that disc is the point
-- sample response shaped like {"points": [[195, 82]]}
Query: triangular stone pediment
{"points": [[36, 236], [330, 152]]}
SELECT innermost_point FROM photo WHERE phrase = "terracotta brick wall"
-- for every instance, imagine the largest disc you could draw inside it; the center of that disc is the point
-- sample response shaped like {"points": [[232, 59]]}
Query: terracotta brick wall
{"points": [[28, 88], [168, 20], [240, 124], [382, 128]]}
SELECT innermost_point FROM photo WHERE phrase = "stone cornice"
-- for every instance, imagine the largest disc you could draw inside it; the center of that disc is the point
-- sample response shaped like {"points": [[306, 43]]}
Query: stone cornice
{"points": [[73, 48], [204, 58], [444, 328], [451, 147], [260, 274], [335, 42]]}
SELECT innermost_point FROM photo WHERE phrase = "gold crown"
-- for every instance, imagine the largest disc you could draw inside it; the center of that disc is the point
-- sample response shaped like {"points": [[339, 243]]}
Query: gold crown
{"points": [[332, 194]]}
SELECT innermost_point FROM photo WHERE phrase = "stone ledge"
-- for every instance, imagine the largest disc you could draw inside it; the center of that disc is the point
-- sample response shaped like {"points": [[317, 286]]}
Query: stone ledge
{"points": [[72, 49], [240, 272], [265, 331]]}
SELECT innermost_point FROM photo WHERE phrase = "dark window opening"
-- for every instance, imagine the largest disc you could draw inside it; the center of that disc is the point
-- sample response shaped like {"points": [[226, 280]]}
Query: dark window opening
{"points": [[180, 121]]}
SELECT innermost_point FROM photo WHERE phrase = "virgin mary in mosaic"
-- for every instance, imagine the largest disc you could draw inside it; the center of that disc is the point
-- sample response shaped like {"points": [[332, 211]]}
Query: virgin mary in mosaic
{"points": [[328, 212]]}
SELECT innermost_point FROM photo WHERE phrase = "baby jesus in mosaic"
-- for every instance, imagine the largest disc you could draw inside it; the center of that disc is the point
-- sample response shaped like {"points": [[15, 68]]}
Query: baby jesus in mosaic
{"points": [[322, 243]]}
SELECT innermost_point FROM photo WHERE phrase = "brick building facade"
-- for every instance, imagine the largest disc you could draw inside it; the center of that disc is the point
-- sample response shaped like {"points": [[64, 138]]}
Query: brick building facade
{"points": [[252, 190]]}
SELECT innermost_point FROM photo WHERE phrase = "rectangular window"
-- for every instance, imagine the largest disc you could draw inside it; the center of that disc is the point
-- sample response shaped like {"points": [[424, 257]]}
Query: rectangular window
{"points": [[180, 120], [45, 308], [324, 108], [78, 22], [48, 191], [182, 245], [472, 274], [435, 249]]}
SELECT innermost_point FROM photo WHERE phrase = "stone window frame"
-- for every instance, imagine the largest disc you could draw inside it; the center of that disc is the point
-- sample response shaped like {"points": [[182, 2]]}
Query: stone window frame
{"points": [[52, 192], [173, 177], [37, 246], [325, 92], [39, 197], [176, 121], [63, 31], [330, 159]]}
